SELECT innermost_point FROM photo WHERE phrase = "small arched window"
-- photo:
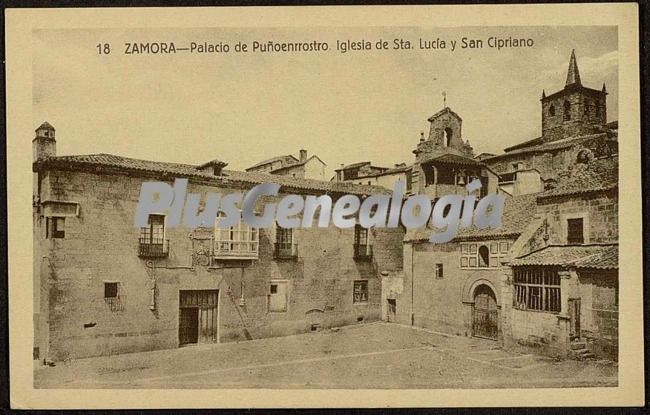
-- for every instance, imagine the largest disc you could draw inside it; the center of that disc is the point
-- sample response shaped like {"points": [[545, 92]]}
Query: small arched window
{"points": [[448, 136], [567, 111], [483, 256], [551, 110]]}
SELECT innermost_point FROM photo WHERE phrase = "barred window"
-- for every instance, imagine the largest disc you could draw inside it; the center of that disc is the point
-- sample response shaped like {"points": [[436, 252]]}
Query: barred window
{"points": [[537, 289], [360, 292], [483, 255]]}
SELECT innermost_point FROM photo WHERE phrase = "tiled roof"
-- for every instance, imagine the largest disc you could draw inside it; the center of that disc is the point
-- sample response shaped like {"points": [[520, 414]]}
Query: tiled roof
{"points": [[287, 157], [290, 166], [353, 165], [518, 212], [228, 177], [602, 256], [550, 146], [595, 175], [454, 159]]}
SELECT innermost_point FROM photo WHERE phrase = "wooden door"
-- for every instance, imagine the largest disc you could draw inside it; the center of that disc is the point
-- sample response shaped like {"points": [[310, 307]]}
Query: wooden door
{"points": [[198, 316], [278, 296], [188, 327]]}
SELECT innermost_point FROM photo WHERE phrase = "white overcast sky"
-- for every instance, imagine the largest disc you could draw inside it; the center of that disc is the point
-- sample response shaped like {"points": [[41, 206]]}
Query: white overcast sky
{"points": [[343, 107]]}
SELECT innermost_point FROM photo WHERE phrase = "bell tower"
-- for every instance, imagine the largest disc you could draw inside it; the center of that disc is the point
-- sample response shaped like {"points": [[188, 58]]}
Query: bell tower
{"points": [[575, 106]]}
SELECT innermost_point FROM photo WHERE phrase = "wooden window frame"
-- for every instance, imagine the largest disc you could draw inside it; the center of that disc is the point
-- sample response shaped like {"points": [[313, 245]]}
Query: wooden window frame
{"points": [[537, 289], [469, 253], [360, 292]]}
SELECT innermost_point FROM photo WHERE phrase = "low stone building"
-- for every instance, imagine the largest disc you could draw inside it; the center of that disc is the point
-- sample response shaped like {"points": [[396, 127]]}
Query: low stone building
{"points": [[563, 278], [103, 286]]}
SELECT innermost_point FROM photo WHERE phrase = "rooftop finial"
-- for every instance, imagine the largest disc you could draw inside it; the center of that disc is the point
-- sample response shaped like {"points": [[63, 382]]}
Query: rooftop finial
{"points": [[543, 94], [604, 88], [444, 99], [573, 75]]}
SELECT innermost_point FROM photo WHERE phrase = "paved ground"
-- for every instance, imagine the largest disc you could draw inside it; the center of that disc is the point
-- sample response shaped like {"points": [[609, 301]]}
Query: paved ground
{"points": [[376, 355]]}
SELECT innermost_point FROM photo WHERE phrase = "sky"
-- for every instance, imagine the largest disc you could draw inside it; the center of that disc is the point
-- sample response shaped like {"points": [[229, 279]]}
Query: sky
{"points": [[344, 107]]}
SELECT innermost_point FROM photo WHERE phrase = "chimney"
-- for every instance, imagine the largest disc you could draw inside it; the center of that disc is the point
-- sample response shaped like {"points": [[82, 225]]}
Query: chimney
{"points": [[303, 155], [44, 142]]}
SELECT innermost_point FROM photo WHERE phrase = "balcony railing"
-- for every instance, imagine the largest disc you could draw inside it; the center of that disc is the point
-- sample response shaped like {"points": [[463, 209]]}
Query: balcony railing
{"points": [[153, 248], [362, 251], [235, 250], [285, 250]]}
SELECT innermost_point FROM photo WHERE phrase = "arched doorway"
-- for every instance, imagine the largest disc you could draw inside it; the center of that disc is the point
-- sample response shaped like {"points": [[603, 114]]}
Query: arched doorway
{"points": [[484, 313]]}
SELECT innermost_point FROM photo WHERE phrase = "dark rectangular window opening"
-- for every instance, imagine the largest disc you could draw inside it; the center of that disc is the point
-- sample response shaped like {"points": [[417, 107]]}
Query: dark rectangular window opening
{"points": [[111, 289], [439, 271], [55, 228], [575, 231]]}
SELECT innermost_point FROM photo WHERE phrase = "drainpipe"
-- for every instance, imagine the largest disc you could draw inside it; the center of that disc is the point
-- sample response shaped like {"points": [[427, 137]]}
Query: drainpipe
{"points": [[412, 282]]}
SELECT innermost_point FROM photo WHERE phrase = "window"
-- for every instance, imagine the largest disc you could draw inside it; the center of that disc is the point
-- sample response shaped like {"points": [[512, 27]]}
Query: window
{"points": [[567, 111], [409, 180], [575, 231], [113, 296], [486, 255], [537, 289], [551, 110], [152, 237], [448, 136], [284, 246], [55, 228], [439, 271], [362, 247], [360, 292], [278, 296], [111, 289], [483, 256], [239, 241]]}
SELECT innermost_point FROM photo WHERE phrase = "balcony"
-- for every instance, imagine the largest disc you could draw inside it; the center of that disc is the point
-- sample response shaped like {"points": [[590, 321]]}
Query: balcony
{"points": [[235, 250], [284, 250], [153, 248], [362, 252]]}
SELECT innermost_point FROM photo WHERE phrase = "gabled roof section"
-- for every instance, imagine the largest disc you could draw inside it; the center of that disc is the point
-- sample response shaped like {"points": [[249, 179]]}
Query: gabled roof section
{"points": [[354, 165], [593, 176], [287, 158], [291, 166], [445, 110], [215, 162], [594, 256], [45, 126], [108, 163]]}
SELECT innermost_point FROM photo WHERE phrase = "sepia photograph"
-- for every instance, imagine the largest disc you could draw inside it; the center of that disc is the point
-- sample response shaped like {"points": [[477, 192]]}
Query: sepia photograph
{"points": [[322, 208]]}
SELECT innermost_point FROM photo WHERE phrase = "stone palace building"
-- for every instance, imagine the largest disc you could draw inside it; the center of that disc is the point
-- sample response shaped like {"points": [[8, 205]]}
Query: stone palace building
{"points": [[546, 281]]}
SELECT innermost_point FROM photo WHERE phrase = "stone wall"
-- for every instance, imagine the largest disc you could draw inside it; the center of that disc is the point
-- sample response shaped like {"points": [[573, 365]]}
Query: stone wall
{"points": [[101, 244], [442, 304]]}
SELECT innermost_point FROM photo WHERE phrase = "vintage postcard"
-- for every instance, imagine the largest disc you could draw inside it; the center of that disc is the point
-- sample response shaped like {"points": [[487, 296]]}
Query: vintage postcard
{"points": [[324, 207]]}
